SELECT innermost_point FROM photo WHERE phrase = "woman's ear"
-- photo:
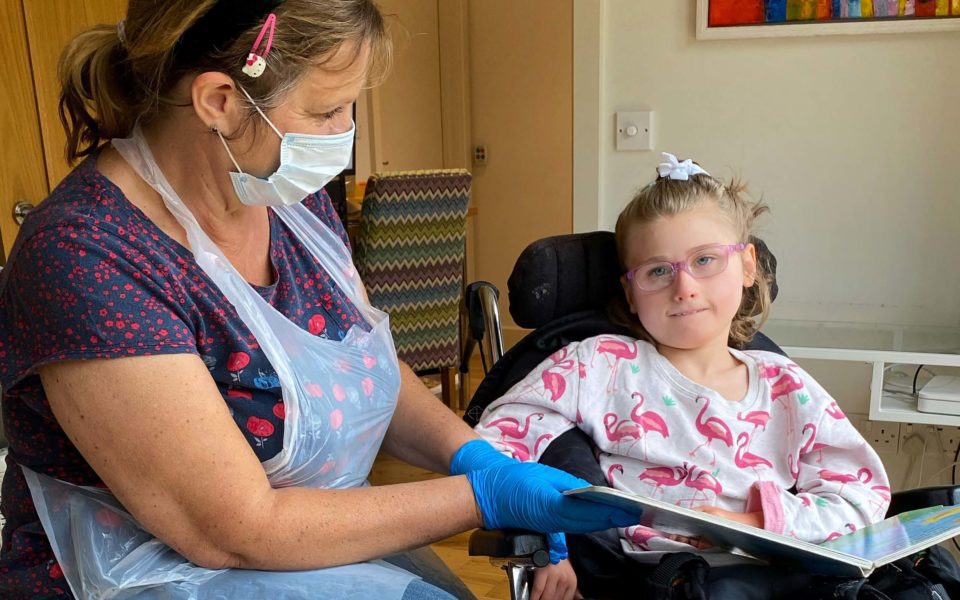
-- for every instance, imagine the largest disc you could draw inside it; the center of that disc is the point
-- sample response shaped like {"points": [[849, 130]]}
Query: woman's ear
{"points": [[215, 101], [749, 256]]}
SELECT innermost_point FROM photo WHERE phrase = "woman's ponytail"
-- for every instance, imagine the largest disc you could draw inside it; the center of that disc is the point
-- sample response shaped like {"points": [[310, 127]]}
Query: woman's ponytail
{"points": [[95, 102]]}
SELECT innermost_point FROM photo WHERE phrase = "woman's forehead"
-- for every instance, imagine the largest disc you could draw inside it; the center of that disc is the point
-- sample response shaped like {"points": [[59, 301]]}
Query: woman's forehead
{"points": [[337, 80]]}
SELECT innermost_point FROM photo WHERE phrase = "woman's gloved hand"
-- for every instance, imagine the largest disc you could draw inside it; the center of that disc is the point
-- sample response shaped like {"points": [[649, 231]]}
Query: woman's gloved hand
{"points": [[529, 496], [477, 454]]}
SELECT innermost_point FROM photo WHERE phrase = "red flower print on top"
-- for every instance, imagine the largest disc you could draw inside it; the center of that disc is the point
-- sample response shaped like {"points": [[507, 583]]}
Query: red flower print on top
{"points": [[260, 428], [236, 361], [233, 392], [107, 517], [317, 324], [55, 571], [279, 410]]}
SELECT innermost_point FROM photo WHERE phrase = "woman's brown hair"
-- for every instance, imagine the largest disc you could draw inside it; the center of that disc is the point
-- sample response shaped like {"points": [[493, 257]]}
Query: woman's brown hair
{"points": [[108, 83], [667, 197]]}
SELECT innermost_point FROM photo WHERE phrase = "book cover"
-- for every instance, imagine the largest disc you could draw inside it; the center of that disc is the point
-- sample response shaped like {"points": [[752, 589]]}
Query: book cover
{"points": [[856, 554]]}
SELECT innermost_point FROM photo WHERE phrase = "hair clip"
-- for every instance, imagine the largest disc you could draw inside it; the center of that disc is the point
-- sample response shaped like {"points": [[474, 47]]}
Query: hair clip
{"points": [[256, 63], [674, 169]]}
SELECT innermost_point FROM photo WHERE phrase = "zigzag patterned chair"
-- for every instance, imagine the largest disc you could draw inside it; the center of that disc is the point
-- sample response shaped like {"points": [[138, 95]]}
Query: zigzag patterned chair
{"points": [[410, 252]]}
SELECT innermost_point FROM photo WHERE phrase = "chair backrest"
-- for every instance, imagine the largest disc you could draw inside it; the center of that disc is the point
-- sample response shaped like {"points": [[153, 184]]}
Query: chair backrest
{"points": [[410, 252], [561, 287]]}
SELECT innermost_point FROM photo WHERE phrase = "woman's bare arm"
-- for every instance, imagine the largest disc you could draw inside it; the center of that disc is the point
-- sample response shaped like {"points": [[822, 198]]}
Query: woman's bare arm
{"points": [[158, 433], [424, 432]]}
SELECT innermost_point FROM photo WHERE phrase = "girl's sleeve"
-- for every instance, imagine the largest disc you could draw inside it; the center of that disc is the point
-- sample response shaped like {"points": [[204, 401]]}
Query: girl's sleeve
{"points": [[537, 409], [841, 483]]}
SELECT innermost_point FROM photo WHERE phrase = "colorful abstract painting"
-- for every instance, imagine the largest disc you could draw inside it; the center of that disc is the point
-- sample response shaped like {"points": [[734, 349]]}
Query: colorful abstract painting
{"points": [[727, 13]]}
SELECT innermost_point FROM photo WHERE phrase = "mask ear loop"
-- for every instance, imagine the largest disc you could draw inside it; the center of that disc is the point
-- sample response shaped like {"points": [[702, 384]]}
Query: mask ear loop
{"points": [[227, 148], [256, 63]]}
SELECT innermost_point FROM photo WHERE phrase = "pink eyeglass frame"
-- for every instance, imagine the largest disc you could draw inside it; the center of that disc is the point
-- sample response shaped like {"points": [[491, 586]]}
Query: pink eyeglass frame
{"points": [[683, 264]]}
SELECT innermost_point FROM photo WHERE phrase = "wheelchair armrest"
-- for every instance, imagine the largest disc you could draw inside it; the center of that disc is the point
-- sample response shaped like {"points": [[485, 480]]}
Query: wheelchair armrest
{"points": [[517, 546], [902, 501]]}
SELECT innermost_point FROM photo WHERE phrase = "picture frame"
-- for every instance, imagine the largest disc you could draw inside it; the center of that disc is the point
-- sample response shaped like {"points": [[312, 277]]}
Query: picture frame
{"points": [[946, 18]]}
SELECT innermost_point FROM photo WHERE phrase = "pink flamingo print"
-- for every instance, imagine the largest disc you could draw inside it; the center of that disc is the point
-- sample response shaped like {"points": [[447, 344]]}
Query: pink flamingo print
{"points": [[781, 390], [864, 475], [784, 386], [518, 450], [663, 476], [712, 429], [554, 383], [835, 534], [757, 418], [771, 371], [610, 471], [543, 438], [748, 460], [640, 535], [647, 421], [619, 350], [510, 427], [617, 432], [834, 411], [794, 468], [701, 481], [811, 445], [883, 492]]}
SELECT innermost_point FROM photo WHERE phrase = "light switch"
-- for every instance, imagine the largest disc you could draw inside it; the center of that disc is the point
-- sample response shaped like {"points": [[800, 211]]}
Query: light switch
{"points": [[635, 130]]}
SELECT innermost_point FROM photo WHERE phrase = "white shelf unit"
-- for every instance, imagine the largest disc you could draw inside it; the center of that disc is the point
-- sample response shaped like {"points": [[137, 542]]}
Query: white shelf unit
{"points": [[879, 346], [886, 407]]}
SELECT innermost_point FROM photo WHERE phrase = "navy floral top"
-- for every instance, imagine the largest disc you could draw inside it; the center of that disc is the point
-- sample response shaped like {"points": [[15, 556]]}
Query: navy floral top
{"points": [[90, 276]]}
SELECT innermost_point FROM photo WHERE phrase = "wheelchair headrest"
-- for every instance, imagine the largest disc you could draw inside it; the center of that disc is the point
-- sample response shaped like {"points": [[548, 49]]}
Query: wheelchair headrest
{"points": [[565, 274]]}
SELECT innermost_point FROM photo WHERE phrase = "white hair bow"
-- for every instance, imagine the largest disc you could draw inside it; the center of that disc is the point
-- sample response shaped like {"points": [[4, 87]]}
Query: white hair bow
{"points": [[674, 169]]}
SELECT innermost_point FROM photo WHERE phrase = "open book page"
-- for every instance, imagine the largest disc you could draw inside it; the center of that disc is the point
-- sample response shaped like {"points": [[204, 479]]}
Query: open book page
{"points": [[867, 549], [901, 535]]}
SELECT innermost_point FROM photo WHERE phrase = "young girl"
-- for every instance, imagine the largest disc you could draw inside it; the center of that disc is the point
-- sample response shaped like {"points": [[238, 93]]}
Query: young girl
{"points": [[677, 412]]}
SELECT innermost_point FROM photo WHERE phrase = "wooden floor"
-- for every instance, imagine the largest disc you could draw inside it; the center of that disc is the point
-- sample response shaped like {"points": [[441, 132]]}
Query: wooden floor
{"points": [[483, 579]]}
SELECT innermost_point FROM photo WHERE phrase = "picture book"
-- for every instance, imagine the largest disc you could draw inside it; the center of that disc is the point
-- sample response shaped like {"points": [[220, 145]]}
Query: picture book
{"points": [[855, 554]]}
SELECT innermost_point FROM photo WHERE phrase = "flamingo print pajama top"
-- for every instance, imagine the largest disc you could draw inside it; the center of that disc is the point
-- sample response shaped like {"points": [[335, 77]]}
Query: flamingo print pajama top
{"points": [[785, 449]]}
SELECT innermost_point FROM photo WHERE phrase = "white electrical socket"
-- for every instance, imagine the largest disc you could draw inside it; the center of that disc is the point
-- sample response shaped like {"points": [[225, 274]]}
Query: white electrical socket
{"points": [[932, 440], [884, 436]]}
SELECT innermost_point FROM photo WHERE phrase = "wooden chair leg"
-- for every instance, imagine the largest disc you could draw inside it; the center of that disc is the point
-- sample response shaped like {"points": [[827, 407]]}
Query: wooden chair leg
{"points": [[448, 387]]}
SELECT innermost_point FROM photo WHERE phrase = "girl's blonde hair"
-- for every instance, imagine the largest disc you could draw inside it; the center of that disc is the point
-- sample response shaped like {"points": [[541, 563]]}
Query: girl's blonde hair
{"points": [[108, 84], [667, 197]]}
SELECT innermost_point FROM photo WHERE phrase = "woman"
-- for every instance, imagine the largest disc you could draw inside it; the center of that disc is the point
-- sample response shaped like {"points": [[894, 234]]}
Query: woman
{"points": [[181, 324]]}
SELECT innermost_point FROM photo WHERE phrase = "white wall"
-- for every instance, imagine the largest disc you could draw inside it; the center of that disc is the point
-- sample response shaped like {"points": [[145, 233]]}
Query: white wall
{"points": [[853, 141]]}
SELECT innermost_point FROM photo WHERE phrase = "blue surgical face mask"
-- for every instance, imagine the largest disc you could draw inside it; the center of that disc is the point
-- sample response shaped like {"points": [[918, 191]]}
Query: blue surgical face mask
{"points": [[307, 163]]}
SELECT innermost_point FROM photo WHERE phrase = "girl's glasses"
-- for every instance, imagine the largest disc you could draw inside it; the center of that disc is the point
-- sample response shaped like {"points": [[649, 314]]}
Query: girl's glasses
{"points": [[700, 264]]}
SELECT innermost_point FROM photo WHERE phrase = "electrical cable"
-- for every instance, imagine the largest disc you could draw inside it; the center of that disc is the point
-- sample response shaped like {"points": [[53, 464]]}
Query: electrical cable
{"points": [[915, 376]]}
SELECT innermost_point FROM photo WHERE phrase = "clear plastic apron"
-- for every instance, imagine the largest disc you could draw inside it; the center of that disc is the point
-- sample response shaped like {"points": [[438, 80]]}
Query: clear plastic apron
{"points": [[339, 398]]}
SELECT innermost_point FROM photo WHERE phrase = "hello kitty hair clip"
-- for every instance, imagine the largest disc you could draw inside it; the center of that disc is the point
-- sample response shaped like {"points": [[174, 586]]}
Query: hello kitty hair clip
{"points": [[674, 169], [256, 63]]}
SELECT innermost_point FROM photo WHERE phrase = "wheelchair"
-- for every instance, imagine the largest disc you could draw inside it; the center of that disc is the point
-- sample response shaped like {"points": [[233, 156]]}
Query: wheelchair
{"points": [[560, 288]]}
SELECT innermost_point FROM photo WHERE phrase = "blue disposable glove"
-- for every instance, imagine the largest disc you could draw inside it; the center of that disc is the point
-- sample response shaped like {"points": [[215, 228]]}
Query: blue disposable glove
{"points": [[529, 496], [477, 454]]}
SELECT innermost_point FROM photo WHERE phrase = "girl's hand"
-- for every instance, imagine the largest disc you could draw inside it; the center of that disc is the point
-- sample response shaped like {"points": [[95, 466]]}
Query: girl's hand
{"points": [[555, 582], [753, 519], [699, 544]]}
